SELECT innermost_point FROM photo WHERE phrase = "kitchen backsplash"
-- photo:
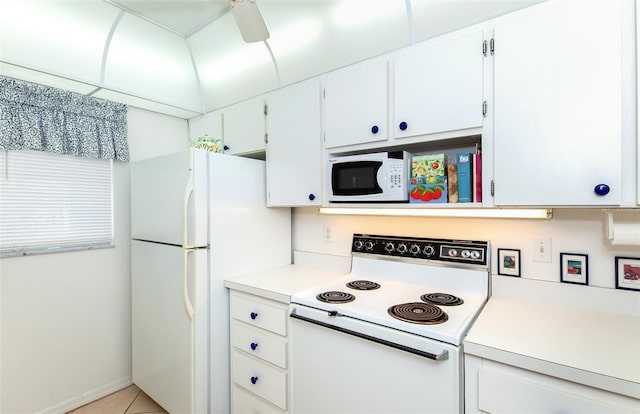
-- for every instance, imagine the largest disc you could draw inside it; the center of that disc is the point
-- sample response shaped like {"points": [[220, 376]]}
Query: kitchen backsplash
{"points": [[580, 231]]}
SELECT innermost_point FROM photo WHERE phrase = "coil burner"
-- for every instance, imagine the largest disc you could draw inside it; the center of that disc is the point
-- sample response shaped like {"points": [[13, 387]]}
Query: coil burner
{"points": [[363, 285], [335, 296], [442, 299], [418, 312]]}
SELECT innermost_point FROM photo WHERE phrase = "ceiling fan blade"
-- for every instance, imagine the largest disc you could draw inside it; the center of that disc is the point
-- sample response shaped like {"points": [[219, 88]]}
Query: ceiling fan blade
{"points": [[249, 20]]}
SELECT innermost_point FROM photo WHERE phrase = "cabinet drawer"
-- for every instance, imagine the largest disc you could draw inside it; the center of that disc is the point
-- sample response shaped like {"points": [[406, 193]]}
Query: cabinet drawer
{"points": [[259, 313], [243, 402], [266, 381], [259, 343]]}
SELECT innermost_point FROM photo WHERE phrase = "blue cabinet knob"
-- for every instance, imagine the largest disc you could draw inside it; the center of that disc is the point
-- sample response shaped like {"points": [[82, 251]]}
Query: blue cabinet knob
{"points": [[403, 125], [226, 148], [374, 129], [601, 189], [254, 380], [312, 197], [253, 346], [253, 315]]}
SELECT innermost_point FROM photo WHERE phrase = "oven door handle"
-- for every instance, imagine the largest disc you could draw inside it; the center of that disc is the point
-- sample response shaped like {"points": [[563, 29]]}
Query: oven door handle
{"points": [[442, 356]]}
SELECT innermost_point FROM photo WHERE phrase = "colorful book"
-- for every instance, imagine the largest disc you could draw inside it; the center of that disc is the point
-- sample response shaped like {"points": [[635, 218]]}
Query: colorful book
{"points": [[477, 177], [464, 161], [452, 178]]}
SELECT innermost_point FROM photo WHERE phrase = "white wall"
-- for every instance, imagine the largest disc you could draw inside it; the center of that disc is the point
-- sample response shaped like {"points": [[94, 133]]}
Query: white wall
{"points": [[65, 318], [571, 231]]}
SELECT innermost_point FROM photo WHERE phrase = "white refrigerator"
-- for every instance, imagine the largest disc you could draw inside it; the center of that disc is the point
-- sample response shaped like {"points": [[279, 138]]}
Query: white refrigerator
{"points": [[196, 218]]}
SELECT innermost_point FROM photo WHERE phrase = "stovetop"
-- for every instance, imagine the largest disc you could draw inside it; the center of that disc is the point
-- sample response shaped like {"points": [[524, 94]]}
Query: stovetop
{"points": [[426, 266]]}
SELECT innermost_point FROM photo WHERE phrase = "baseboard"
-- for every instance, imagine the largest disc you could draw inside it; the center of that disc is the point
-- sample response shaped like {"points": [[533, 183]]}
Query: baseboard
{"points": [[87, 397]]}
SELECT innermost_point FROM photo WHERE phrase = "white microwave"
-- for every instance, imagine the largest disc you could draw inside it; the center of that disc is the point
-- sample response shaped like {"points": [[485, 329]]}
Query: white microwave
{"points": [[375, 177]]}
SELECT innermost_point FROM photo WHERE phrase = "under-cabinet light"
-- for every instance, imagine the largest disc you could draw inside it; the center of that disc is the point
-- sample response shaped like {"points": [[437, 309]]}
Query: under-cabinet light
{"points": [[442, 212]]}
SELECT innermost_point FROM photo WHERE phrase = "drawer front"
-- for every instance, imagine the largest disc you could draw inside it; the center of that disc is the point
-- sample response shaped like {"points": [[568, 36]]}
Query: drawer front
{"points": [[259, 343], [264, 380], [259, 313], [243, 402]]}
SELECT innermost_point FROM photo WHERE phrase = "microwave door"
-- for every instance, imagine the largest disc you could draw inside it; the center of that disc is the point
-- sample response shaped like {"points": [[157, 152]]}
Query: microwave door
{"points": [[357, 178]]}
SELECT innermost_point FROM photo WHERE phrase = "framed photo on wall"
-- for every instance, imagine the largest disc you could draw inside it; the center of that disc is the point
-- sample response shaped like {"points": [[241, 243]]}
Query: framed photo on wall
{"points": [[574, 268], [509, 262], [628, 273]]}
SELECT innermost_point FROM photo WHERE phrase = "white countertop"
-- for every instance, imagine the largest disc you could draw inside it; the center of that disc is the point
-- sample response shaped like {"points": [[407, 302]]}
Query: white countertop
{"points": [[280, 283], [583, 334]]}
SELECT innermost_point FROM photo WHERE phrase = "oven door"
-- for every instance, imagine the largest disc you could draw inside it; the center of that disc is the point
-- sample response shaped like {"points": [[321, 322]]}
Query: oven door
{"points": [[344, 365]]}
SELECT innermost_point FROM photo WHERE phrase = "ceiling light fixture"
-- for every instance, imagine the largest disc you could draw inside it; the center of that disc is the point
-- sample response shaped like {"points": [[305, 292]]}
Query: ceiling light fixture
{"points": [[442, 212], [249, 20]]}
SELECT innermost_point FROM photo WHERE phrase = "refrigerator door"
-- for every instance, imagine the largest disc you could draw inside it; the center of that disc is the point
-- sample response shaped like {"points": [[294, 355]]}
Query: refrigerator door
{"points": [[166, 193], [246, 236], [169, 340]]}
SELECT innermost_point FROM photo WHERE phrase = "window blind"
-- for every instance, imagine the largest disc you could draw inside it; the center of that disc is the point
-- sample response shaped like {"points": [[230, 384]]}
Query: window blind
{"points": [[51, 202]]}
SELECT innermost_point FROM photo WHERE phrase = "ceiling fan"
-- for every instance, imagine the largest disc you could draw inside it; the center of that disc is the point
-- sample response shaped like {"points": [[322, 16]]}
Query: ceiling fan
{"points": [[249, 20]]}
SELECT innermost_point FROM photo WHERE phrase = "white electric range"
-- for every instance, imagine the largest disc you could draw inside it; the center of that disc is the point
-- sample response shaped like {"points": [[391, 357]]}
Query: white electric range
{"points": [[392, 327]]}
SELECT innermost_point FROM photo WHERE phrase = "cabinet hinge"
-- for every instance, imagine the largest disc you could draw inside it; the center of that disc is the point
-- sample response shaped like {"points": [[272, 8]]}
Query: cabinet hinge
{"points": [[484, 109], [266, 138], [491, 46], [493, 188], [484, 47], [266, 110]]}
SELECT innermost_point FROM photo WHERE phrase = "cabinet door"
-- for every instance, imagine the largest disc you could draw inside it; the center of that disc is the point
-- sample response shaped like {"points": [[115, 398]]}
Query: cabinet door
{"points": [[558, 105], [294, 149], [438, 86], [244, 127], [356, 104]]}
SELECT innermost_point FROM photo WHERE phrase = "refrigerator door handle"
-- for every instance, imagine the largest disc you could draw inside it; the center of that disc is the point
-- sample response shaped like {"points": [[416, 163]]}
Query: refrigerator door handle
{"points": [[188, 191], [188, 306]]}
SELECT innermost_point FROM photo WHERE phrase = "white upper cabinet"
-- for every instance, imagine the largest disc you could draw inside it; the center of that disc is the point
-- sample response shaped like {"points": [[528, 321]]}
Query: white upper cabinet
{"points": [[294, 148], [244, 127], [438, 86], [558, 105], [356, 104]]}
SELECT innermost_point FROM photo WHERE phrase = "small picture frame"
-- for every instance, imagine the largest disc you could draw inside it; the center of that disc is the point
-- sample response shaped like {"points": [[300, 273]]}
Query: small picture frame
{"points": [[628, 273], [574, 268], [509, 262]]}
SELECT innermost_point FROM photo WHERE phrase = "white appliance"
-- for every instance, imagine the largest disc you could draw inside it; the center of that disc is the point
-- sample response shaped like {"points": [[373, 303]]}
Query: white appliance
{"points": [[197, 218], [387, 337], [373, 177]]}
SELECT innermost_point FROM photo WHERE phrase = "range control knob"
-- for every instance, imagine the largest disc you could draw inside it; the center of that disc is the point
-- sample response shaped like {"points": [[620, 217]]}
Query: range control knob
{"points": [[453, 252], [368, 245], [465, 254], [358, 244], [402, 248], [414, 249], [429, 250], [475, 254], [389, 247]]}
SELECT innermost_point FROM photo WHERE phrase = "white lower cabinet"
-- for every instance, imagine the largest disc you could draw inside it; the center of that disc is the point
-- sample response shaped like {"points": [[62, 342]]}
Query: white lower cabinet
{"points": [[492, 387], [259, 355]]}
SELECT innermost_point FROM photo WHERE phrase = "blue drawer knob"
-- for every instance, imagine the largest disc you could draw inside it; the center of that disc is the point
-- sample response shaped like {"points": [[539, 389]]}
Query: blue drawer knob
{"points": [[601, 189], [312, 197], [403, 125], [253, 346], [254, 380], [374, 129], [253, 315]]}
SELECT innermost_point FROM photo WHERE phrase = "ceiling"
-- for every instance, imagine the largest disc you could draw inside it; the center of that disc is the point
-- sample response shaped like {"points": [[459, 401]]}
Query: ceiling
{"points": [[187, 57]]}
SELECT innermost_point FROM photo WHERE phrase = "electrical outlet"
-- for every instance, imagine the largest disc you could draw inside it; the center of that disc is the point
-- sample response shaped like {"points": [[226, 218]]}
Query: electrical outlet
{"points": [[327, 235], [542, 250]]}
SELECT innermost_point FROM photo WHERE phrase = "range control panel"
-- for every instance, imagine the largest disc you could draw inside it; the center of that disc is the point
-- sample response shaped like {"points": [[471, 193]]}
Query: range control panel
{"points": [[444, 250]]}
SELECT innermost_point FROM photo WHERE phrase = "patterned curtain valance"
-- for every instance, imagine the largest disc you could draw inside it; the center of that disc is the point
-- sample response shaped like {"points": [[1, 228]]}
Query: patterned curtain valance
{"points": [[42, 118]]}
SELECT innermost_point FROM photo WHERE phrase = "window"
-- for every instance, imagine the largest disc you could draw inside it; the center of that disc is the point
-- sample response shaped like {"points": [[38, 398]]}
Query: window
{"points": [[51, 202]]}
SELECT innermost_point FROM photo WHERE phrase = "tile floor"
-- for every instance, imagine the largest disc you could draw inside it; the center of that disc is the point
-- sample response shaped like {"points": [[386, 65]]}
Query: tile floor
{"points": [[130, 400]]}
